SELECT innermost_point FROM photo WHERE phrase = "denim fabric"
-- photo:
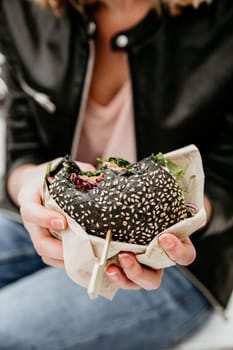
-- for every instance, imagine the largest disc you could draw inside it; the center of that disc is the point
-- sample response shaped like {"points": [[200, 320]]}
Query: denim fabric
{"points": [[18, 257], [41, 308]]}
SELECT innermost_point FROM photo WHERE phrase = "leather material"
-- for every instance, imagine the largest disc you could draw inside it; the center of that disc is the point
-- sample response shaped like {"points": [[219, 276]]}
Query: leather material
{"points": [[181, 69]]}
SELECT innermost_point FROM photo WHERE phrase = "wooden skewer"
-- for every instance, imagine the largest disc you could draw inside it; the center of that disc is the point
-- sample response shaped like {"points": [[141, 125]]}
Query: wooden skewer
{"points": [[98, 270]]}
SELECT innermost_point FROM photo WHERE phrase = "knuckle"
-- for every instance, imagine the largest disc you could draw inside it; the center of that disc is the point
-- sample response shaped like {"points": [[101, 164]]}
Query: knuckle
{"points": [[39, 248], [194, 255], [157, 284], [135, 273], [23, 212], [188, 259], [45, 260], [27, 226], [153, 286]]}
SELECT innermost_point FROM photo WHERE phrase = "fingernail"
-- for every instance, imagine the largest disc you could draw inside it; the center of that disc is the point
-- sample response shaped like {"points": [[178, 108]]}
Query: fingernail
{"points": [[112, 274], [166, 242], [58, 224]]}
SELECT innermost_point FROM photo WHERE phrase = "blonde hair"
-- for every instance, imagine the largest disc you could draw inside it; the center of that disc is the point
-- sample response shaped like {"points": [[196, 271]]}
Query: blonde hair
{"points": [[174, 6]]}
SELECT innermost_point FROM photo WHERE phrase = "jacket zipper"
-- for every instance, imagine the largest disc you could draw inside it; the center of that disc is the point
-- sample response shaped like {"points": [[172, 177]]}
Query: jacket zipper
{"points": [[218, 308], [80, 117], [41, 98]]}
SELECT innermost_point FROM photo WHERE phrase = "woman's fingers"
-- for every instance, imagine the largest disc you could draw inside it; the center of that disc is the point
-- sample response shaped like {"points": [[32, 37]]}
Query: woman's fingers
{"points": [[45, 244], [117, 276], [133, 275], [182, 252], [37, 220], [53, 262], [144, 277], [43, 217]]}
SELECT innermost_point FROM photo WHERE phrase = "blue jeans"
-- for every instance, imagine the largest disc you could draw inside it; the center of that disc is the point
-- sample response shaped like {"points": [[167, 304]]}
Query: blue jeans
{"points": [[41, 308]]}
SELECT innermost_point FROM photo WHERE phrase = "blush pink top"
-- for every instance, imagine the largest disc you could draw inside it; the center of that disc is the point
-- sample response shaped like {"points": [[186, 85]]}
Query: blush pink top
{"points": [[108, 130]]}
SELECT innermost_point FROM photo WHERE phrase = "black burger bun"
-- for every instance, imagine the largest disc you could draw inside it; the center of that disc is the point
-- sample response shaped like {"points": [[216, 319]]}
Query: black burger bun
{"points": [[136, 201]]}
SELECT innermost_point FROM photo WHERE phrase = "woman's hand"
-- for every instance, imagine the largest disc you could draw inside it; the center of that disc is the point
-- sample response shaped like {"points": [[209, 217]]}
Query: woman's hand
{"points": [[25, 187], [132, 275], [38, 220]]}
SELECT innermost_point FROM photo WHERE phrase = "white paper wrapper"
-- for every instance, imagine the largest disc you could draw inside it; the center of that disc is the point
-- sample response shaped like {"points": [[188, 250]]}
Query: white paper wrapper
{"points": [[81, 250]]}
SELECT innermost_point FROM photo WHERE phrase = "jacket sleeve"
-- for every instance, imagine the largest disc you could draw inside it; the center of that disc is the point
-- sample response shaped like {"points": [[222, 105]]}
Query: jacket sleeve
{"points": [[219, 180], [218, 156], [214, 244], [24, 143], [219, 162]]}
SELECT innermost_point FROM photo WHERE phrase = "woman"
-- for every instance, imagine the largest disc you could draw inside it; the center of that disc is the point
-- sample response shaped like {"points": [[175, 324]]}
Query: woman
{"points": [[123, 78]]}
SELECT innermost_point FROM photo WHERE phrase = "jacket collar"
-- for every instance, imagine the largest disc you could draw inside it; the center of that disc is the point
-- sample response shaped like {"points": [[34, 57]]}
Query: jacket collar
{"points": [[135, 36]]}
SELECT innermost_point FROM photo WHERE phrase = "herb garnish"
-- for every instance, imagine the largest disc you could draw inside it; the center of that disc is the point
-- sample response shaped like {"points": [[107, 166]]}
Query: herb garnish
{"points": [[174, 169]]}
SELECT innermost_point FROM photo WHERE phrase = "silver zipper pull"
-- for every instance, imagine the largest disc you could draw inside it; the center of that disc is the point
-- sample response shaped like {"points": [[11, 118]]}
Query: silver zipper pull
{"points": [[3, 87], [3, 91], [44, 101]]}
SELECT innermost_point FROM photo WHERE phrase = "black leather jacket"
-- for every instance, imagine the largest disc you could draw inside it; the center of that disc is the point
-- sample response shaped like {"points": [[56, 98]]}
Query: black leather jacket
{"points": [[181, 70]]}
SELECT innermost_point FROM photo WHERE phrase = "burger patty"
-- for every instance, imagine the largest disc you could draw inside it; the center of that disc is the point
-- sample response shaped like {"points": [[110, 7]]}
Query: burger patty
{"points": [[136, 201]]}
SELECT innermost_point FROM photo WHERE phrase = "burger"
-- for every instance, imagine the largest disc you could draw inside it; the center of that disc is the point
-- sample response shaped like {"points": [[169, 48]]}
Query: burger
{"points": [[136, 201]]}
